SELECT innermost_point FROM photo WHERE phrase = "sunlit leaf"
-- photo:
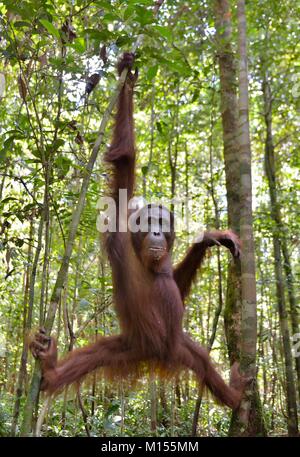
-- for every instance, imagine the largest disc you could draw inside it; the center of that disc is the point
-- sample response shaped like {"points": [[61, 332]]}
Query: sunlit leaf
{"points": [[50, 28]]}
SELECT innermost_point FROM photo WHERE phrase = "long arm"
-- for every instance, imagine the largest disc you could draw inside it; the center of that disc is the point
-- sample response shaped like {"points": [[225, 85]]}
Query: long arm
{"points": [[185, 272], [121, 157], [121, 154]]}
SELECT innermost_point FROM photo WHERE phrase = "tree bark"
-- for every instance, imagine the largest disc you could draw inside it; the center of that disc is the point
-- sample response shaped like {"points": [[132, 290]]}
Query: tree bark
{"points": [[270, 169], [23, 363], [240, 306], [229, 112], [292, 298], [247, 412], [219, 308], [28, 324]]}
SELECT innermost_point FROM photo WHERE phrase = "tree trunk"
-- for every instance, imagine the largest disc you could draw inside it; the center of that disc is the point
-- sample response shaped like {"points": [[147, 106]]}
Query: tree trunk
{"points": [[250, 422], [292, 299], [280, 292], [28, 324], [219, 308], [240, 331], [231, 158], [165, 422], [22, 369], [153, 404]]}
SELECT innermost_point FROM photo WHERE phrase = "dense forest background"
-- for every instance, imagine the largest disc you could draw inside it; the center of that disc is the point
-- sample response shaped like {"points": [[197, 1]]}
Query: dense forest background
{"points": [[219, 135]]}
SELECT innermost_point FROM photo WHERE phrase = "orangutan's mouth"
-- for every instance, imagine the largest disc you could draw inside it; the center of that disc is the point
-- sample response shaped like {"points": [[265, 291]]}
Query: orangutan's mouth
{"points": [[157, 252]]}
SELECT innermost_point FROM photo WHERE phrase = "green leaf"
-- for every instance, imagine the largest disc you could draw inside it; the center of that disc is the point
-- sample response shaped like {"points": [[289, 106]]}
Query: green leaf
{"points": [[164, 32], [128, 12], [151, 73], [104, 35], [36, 153], [7, 199], [7, 146], [178, 67], [19, 242], [140, 2], [123, 40], [57, 144], [145, 170], [144, 16], [159, 126], [63, 164], [2, 155], [195, 96], [110, 17], [22, 9], [79, 45], [50, 28], [21, 24], [57, 62]]}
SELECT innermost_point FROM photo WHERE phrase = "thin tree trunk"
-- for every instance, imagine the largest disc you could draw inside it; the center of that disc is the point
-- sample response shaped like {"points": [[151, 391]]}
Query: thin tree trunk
{"points": [[292, 301], [28, 325], [163, 401], [261, 347], [173, 159], [2, 182], [250, 422], [280, 292], [84, 413], [47, 245], [232, 174], [22, 370], [153, 404], [220, 287], [146, 168], [234, 183]]}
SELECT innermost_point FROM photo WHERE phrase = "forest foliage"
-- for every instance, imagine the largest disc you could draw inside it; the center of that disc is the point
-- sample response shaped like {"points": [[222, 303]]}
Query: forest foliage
{"points": [[51, 110]]}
